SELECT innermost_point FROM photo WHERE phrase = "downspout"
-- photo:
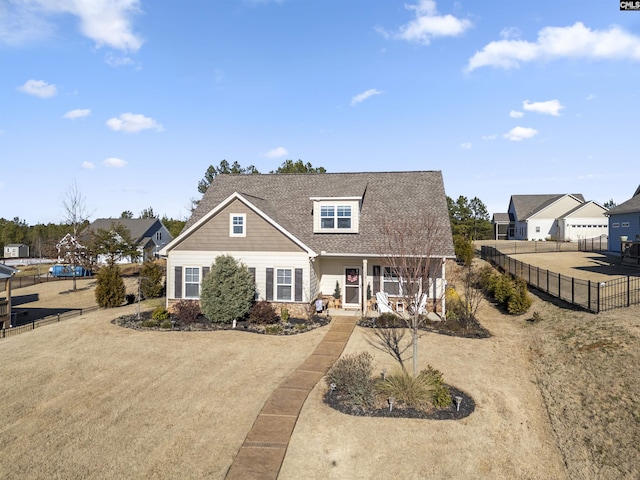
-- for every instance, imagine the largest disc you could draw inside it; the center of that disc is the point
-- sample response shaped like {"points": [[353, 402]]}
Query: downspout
{"points": [[364, 288], [444, 288]]}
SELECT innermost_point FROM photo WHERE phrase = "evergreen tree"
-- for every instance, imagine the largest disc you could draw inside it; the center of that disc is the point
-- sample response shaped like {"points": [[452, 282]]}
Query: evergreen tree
{"points": [[110, 290]]}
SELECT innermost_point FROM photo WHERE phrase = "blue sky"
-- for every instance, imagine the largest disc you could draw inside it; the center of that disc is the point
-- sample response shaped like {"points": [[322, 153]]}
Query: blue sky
{"points": [[134, 99]]}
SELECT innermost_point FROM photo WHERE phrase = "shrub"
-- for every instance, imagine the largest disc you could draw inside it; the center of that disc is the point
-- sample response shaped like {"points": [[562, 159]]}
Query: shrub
{"points": [[187, 311], [151, 323], [160, 313], [336, 292], [110, 289], [416, 392], [130, 298], [301, 326], [389, 320], [228, 290], [520, 300], [503, 288], [166, 324], [441, 394], [262, 313], [352, 377], [284, 314], [463, 248], [151, 284], [273, 329]]}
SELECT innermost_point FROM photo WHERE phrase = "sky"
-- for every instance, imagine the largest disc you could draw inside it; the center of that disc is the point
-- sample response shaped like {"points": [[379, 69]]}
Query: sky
{"points": [[132, 100]]}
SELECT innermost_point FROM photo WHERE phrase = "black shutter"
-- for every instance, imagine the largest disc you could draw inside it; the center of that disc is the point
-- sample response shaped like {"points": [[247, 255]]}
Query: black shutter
{"points": [[269, 284], [205, 271], [252, 271], [298, 285], [376, 279], [178, 283]]}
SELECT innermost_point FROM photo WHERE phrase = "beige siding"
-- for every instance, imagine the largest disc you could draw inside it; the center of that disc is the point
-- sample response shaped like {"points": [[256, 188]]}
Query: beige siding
{"points": [[257, 260], [260, 235], [557, 209]]}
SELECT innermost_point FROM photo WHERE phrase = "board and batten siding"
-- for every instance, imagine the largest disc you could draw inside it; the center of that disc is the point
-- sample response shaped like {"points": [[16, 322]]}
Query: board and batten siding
{"points": [[258, 260], [261, 236]]}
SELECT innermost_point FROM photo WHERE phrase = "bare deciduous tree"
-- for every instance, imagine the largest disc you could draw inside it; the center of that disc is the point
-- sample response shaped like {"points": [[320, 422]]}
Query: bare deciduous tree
{"points": [[76, 216], [408, 248]]}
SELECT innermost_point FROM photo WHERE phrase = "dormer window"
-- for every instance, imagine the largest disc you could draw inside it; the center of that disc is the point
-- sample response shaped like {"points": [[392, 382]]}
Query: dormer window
{"points": [[237, 225], [338, 215]]}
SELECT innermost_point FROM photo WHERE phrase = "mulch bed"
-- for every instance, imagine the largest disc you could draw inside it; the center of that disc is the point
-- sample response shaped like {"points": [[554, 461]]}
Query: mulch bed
{"points": [[453, 328], [467, 406], [293, 327]]}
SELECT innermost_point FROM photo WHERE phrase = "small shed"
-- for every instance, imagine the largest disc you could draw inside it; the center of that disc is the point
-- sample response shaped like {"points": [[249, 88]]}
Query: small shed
{"points": [[16, 250]]}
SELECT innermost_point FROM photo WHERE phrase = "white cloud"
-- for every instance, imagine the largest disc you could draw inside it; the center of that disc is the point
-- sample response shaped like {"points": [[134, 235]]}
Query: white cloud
{"points": [[516, 114], [576, 41], [550, 107], [277, 152], [428, 24], [490, 137], [517, 134], [117, 60], [106, 22], [591, 96], [77, 113], [364, 95], [88, 165], [113, 162], [466, 146], [133, 122], [39, 88]]}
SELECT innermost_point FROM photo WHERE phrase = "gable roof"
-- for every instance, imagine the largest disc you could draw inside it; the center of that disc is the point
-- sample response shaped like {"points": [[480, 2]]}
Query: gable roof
{"points": [[527, 205], [584, 205], [630, 206], [138, 228], [287, 199], [500, 218]]}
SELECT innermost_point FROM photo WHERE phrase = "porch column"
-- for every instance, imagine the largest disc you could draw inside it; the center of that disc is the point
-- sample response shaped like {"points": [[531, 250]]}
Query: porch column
{"points": [[364, 287]]}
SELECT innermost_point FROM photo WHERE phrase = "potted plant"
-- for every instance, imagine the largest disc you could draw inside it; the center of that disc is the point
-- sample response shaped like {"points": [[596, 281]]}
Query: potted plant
{"points": [[336, 295]]}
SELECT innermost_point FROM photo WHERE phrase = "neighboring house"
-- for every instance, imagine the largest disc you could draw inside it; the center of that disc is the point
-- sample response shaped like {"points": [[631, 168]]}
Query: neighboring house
{"points": [[16, 250], [562, 217], [500, 222], [148, 234], [68, 247], [299, 234], [6, 273], [624, 221]]}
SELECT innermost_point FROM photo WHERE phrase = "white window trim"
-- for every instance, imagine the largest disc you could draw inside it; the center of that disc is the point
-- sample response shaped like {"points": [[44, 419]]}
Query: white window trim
{"points": [[615, 225], [354, 204], [184, 282], [292, 284], [626, 224], [244, 224]]}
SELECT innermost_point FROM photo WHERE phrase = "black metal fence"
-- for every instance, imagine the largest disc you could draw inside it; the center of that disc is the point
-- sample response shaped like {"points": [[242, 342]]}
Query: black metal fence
{"points": [[593, 296], [10, 332], [597, 244]]}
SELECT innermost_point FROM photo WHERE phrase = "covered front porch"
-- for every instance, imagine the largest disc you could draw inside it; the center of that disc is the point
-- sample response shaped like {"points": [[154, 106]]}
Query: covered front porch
{"points": [[348, 285]]}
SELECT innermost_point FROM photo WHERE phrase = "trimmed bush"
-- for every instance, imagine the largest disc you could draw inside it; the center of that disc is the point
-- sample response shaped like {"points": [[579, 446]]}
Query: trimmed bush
{"points": [[228, 291], [166, 324], [273, 329], [389, 320], [415, 392], [441, 394], [160, 313], [352, 377], [110, 291], [151, 284], [520, 300], [463, 248], [262, 313], [187, 311]]}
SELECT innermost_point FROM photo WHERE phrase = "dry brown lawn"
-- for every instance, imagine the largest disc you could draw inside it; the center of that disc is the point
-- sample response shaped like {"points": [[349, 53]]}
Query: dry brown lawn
{"points": [[86, 399]]}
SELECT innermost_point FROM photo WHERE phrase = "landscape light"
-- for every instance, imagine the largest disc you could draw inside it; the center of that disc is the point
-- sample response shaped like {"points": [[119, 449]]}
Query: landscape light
{"points": [[457, 400], [391, 401]]}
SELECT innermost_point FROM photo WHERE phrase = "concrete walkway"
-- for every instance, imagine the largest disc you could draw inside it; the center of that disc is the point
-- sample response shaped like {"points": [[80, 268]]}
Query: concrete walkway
{"points": [[262, 452]]}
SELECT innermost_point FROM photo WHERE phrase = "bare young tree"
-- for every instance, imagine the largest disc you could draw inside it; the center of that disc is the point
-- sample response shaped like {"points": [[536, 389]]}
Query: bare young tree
{"points": [[76, 216], [408, 247]]}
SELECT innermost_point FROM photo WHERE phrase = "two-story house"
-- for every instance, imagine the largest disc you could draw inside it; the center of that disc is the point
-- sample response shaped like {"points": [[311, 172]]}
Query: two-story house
{"points": [[300, 234]]}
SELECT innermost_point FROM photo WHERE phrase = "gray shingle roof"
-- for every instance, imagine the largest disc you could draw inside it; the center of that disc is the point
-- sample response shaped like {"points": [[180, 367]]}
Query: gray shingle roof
{"points": [[630, 206], [138, 227], [527, 205], [285, 198], [500, 218]]}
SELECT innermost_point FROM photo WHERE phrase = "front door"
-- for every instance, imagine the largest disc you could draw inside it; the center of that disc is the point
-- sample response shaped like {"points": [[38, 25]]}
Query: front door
{"points": [[352, 287]]}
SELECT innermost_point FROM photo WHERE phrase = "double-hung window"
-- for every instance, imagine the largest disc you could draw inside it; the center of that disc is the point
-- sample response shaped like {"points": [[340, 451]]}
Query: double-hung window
{"points": [[192, 282], [390, 282], [336, 215], [284, 284], [237, 225]]}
